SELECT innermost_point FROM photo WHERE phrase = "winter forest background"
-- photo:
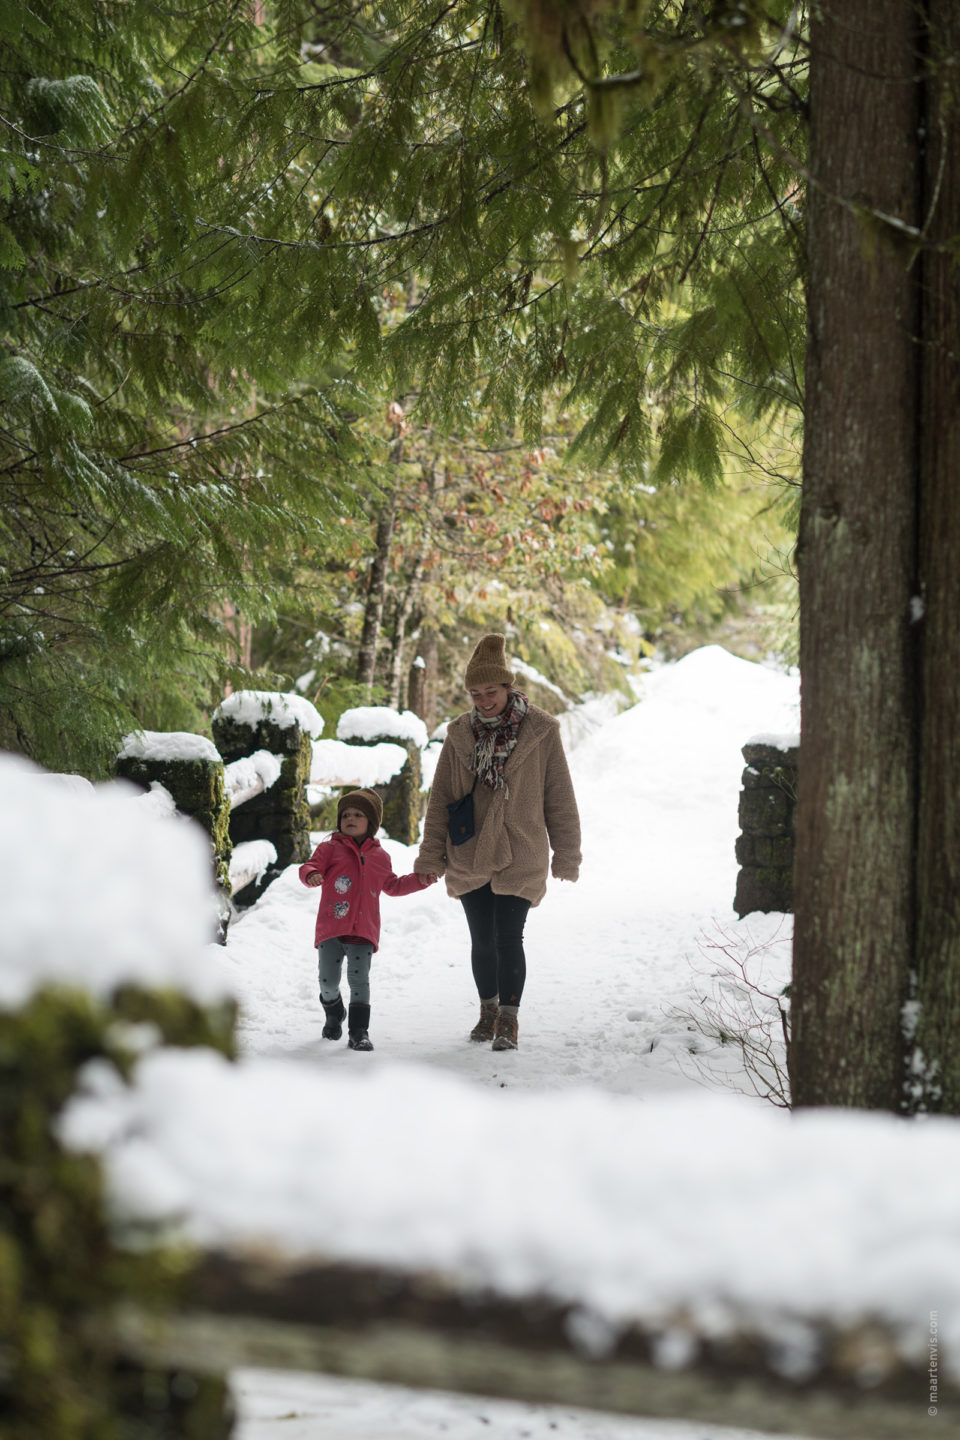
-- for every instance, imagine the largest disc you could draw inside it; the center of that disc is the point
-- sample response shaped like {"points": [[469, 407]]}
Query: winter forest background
{"points": [[335, 335]]}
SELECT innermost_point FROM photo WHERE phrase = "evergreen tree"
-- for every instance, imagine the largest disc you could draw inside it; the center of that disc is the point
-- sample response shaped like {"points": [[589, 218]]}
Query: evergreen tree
{"points": [[167, 432], [208, 219], [584, 198]]}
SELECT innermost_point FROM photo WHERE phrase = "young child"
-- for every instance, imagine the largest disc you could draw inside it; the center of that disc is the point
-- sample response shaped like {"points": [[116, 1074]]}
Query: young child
{"points": [[353, 868]]}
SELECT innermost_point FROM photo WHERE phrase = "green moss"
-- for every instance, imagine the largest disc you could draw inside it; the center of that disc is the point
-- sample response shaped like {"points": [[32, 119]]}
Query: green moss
{"points": [[61, 1268]]}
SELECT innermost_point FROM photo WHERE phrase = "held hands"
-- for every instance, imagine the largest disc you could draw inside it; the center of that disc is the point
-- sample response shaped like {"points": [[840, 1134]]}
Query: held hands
{"points": [[427, 879]]}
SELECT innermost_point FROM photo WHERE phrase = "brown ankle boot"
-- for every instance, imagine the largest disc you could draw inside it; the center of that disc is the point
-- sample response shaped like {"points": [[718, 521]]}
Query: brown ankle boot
{"points": [[487, 1024], [505, 1034]]}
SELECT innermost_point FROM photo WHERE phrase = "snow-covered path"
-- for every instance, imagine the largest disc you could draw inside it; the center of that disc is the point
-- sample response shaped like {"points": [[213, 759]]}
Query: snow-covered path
{"points": [[614, 963], [615, 966], [596, 1166]]}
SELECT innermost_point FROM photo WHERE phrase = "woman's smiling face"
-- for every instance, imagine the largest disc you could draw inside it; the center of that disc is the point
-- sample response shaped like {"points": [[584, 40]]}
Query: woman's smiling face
{"points": [[490, 700]]}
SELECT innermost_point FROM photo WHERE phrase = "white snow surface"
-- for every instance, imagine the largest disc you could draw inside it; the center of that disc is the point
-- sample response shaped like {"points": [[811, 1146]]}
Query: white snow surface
{"points": [[76, 783], [281, 708], [619, 1158], [101, 887], [250, 859], [306, 1407], [244, 773], [167, 745], [157, 800], [629, 1209], [375, 722], [337, 763], [776, 742]]}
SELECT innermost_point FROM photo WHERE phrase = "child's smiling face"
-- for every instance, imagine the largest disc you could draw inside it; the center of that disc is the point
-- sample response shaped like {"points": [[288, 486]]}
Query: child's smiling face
{"points": [[353, 823]]}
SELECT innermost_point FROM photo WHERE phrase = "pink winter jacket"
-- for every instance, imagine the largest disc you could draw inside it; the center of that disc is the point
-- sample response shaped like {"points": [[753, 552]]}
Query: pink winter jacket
{"points": [[353, 877]]}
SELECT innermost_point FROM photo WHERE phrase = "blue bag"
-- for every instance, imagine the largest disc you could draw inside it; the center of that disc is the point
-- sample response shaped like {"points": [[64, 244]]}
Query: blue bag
{"points": [[460, 825]]}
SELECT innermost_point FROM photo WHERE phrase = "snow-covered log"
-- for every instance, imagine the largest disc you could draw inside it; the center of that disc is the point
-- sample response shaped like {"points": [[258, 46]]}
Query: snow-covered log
{"points": [[423, 1330], [250, 861], [250, 776], [691, 1256]]}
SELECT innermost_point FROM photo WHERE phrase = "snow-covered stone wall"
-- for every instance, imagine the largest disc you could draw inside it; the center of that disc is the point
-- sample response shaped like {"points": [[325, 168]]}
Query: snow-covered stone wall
{"points": [[285, 726]]}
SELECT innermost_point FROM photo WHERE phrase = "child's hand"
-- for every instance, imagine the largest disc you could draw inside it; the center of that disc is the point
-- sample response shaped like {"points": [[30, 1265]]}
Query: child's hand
{"points": [[314, 878], [426, 880]]}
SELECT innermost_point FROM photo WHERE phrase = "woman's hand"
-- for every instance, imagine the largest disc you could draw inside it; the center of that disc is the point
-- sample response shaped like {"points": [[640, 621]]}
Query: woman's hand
{"points": [[427, 879]]}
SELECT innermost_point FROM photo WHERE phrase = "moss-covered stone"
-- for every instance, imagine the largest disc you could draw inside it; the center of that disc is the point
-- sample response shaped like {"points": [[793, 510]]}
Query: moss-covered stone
{"points": [[764, 888], [61, 1270], [765, 850], [236, 738], [401, 795], [280, 815], [765, 846], [402, 799], [764, 812], [197, 789]]}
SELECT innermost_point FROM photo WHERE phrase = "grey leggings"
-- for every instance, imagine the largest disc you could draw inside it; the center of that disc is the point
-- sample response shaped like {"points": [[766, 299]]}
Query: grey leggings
{"points": [[358, 955]]}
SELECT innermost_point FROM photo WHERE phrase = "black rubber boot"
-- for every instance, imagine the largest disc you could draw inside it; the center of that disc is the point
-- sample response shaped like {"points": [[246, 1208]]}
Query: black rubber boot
{"points": [[334, 1011], [357, 1024]]}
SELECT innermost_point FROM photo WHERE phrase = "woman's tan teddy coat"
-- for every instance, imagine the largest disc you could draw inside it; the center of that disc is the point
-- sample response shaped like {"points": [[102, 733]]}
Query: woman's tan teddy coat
{"points": [[515, 831]]}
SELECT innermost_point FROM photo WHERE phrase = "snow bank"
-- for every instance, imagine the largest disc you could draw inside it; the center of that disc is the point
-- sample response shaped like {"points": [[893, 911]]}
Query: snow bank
{"points": [[78, 784], [100, 889], [157, 801], [372, 722], [249, 707], [633, 1210], [166, 745]]}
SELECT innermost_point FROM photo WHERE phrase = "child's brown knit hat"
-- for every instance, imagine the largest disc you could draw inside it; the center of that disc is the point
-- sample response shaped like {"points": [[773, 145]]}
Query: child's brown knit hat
{"points": [[368, 802], [488, 664]]}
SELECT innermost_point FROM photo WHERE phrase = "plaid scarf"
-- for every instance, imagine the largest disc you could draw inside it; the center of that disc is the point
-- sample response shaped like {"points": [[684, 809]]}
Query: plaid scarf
{"points": [[494, 740]]}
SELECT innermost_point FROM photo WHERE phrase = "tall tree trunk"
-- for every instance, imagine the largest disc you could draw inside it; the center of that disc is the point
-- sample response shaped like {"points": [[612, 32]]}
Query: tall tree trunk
{"points": [[429, 650], [934, 1074], [377, 588], [856, 824], [405, 606]]}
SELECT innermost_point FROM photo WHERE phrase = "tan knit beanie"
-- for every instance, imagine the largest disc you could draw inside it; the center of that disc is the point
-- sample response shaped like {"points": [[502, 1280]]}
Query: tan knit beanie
{"points": [[368, 802], [488, 664]]}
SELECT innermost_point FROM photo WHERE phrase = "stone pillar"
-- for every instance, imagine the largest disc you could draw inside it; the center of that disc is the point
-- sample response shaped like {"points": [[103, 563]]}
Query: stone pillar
{"points": [[402, 798], [252, 720], [190, 769], [766, 842]]}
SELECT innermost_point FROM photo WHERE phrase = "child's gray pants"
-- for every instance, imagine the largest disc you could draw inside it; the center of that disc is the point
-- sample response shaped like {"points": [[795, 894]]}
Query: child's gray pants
{"points": [[358, 955]]}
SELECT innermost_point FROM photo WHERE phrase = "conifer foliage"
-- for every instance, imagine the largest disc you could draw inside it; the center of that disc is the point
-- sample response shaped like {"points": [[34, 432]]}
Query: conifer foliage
{"points": [[227, 230], [164, 429]]}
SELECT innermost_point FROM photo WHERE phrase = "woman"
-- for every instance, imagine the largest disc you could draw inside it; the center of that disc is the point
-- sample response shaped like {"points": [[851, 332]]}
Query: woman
{"points": [[510, 752]]}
